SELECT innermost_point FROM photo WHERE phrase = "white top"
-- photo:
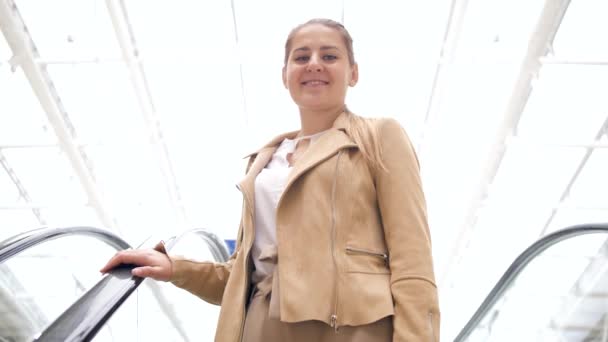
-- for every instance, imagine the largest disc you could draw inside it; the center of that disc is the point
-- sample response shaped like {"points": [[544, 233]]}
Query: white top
{"points": [[269, 186]]}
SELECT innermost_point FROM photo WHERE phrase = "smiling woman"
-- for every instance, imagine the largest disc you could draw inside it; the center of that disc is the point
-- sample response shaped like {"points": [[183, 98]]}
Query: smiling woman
{"points": [[334, 243]]}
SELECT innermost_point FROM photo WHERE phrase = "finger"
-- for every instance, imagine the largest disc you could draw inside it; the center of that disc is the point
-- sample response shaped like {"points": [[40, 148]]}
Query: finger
{"points": [[146, 271], [113, 262], [126, 257]]}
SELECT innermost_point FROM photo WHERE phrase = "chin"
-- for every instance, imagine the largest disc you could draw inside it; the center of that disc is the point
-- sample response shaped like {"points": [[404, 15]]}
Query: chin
{"points": [[314, 103]]}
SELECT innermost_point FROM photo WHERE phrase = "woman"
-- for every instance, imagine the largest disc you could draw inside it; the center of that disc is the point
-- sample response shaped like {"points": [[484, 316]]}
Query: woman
{"points": [[334, 243]]}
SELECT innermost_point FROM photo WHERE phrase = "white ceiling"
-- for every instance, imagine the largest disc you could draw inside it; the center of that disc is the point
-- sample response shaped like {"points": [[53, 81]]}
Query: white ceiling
{"points": [[134, 115]]}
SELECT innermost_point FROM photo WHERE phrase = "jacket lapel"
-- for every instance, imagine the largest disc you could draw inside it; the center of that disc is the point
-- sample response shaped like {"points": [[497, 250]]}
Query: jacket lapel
{"points": [[261, 158], [326, 146]]}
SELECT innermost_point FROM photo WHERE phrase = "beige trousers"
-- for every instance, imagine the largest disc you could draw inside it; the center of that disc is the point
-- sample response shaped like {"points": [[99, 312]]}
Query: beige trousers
{"points": [[259, 327]]}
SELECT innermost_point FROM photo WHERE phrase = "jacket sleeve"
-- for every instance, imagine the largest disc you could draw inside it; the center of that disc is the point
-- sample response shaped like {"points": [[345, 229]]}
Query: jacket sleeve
{"points": [[206, 280], [403, 209]]}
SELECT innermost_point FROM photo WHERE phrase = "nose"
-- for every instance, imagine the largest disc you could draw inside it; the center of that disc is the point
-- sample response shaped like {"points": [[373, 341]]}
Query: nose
{"points": [[314, 64]]}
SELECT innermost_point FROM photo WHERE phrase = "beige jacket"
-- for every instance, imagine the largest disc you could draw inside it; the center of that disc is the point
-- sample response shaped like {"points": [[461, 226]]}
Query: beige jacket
{"points": [[353, 243]]}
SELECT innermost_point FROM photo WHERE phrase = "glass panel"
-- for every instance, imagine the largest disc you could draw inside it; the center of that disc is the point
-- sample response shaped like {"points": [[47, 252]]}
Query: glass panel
{"points": [[133, 189], [8, 191], [591, 187], [534, 174], [5, 51], [15, 221], [196, 317], [385, 90], [185, 33], [70, 29], [583, 31], [22, 120], [559, 296], [100, 102], [193, 247], [45, 280], [47, 176], [140, 318], [568, 104], [488, 29], [569, 216]]}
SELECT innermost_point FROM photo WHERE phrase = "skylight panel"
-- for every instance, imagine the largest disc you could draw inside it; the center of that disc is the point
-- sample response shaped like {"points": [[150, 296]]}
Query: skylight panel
{"points": [[57, 185], [568, 104], [22, 119], [70, 29], [583, 33]]}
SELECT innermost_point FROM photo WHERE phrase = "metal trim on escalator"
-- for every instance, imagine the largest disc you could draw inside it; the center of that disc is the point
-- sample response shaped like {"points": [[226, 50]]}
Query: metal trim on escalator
{"points": [[18, 243], [520, 263], [85, 317]]}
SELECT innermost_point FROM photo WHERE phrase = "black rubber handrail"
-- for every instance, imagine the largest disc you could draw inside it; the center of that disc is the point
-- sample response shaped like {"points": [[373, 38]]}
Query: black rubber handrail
{"points": [[18, 243], [83, 319], [21, 242], [520, 263]]}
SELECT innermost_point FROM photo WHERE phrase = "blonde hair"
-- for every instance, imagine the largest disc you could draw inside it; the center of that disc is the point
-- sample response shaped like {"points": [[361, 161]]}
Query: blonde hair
{"points": [[364, 131], [348, 40]]}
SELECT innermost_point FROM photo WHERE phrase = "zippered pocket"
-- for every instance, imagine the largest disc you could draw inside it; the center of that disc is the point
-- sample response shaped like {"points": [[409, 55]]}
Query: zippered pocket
{"points": [[356, 250]]}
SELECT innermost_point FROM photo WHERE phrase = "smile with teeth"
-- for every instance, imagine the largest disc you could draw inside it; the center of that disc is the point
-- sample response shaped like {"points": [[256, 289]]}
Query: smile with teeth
{"points": [[315, 83]]}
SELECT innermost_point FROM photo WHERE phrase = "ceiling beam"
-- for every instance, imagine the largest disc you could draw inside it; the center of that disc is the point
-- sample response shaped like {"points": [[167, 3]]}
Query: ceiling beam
{"points": [[573, 61], [240, 52], [451, 37], [25, 55], [20, 188], [579, 169], [539, 45], [128, 45]]}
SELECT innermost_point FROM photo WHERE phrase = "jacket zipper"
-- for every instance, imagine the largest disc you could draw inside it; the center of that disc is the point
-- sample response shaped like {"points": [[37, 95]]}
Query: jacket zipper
{"points": [[249, 203], [356, 250], [333, 320], [433, 339]]}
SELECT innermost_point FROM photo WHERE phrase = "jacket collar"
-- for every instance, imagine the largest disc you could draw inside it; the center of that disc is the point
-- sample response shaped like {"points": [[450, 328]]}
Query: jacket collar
{"points": [[341, 123], [327, 145]]}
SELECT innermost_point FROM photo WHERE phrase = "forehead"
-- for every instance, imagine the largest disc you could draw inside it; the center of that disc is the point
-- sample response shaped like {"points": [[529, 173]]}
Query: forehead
{"points": [[316, 35]]}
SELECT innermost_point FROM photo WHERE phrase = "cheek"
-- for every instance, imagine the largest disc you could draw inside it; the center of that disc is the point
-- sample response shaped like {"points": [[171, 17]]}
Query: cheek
{"points": [[292, 77]]}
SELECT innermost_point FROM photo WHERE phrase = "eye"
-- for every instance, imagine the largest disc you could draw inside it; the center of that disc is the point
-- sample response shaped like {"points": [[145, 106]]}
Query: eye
{"points": [[330, 57], [301, 58]]}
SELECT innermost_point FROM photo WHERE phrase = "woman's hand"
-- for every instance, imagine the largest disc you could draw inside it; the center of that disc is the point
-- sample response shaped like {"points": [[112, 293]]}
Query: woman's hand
{"points": [[152, 263]]}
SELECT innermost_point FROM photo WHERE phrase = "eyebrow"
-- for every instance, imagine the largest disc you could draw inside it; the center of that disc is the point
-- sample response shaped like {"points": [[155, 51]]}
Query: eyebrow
{"points": [[324, 47]]}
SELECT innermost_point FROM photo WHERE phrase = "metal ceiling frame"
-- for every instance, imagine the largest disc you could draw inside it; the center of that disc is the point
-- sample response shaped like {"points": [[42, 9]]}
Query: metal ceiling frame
{"points": [[572, 181], [539, 45], [128, 45], [25, 55], [19, 185], [448, 49]]}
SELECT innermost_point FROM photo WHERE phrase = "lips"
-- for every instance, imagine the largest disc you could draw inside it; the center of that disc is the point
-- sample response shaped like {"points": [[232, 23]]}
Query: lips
{"points": [[315, 83]]}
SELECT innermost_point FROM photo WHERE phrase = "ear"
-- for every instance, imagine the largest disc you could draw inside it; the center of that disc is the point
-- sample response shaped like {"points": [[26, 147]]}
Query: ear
{"points": [[285, 78], [354, 75]]}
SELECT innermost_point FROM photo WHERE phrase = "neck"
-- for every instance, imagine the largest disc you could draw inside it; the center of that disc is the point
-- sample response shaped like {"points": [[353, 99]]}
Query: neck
{"points": [[315, 121]]}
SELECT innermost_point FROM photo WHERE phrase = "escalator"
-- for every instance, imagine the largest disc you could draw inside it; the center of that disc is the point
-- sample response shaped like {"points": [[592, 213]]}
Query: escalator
{"points": [[42, 302], [556, 290]]}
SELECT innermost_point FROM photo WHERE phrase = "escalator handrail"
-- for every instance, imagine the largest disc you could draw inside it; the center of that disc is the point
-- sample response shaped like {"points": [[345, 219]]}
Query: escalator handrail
{"points": [[18, 243], [520, 263], [218, 247], [83, 319]]}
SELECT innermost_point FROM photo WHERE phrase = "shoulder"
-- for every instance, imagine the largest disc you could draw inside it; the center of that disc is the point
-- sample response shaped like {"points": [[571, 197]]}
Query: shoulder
{"points": [[384, 129]]}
